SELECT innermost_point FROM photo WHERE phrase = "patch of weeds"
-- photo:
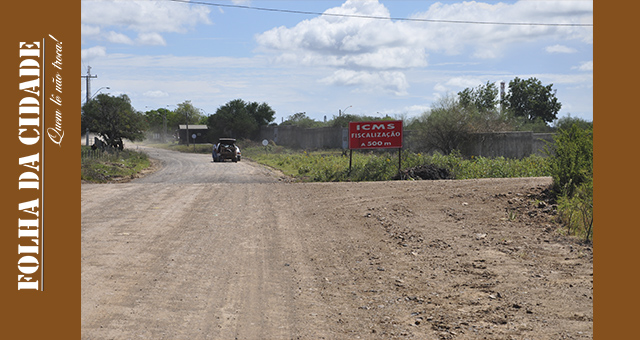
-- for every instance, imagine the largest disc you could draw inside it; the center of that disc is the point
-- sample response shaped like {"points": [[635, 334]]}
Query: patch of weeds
{"points": [[333, 165], [107, 167]]}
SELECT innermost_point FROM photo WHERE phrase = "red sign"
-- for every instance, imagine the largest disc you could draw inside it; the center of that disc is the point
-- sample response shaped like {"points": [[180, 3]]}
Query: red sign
{"points": [[375, 135]]}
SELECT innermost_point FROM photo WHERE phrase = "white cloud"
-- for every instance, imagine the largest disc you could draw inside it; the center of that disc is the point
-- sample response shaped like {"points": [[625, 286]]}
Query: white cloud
{"points": [[340, 35], [465, 82], [560, 49], [118, 38], [416, 110], [127, 61], [93, 52], [585, 66], [155, 94], [487, 52], [148, 18], [89, 30], [440, 88], [151, 39], [349, 42], [366, 46], [456, 84], [368, 53], [455, 38], [394, 82]]}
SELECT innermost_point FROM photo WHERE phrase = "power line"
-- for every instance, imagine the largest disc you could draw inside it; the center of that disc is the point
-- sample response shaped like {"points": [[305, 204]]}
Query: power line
{"points": [[383, 18]]}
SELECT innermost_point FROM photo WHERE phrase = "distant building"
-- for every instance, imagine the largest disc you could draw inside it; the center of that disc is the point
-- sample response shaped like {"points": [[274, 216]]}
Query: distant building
{"points": [[199, 130]]}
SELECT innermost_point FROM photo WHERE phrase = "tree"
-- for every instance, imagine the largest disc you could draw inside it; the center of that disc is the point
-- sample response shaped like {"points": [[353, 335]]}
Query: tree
{"points": [[188, 115], [263, 114], [239, 119], [301, 119], [174, 120], [164, 120], [531, 100], [113, 119], [157, 121], [445, 127], [537, 125], [568, 121], [481, 106], [481, 98]]}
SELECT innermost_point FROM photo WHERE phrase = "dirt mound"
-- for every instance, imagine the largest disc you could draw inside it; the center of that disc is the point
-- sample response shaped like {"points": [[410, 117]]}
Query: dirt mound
{"points": [[425, 171]]}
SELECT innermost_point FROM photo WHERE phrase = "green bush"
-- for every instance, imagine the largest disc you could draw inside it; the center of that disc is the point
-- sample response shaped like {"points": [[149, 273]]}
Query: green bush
{"points": [[571, 159], [571, 166], [576, 211]]}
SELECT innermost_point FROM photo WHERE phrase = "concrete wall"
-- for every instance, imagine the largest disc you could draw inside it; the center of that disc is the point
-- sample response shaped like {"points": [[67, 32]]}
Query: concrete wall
{"points": [[295, 137], [516, 144], [540, 141], [506, 144]]}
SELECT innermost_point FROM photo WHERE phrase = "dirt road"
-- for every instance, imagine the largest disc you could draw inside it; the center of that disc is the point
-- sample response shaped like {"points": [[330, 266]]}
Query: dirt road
{"points": [[202, 250]]}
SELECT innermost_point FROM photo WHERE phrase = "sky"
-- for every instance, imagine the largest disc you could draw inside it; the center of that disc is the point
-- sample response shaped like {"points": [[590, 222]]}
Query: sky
{"points": [[363, 57]]}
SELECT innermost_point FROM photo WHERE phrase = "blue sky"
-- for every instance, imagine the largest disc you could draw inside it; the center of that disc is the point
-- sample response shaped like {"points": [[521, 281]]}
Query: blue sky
{"points": [[161, 53]]}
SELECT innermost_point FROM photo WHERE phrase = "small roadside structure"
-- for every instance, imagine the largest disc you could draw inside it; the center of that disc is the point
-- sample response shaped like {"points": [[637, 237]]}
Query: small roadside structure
{"points": [[199, 130]]}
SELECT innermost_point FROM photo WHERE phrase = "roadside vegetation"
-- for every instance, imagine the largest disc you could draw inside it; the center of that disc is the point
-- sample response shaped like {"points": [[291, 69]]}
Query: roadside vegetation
{"points": [[102, 166], [571, 165], [332, 166]]}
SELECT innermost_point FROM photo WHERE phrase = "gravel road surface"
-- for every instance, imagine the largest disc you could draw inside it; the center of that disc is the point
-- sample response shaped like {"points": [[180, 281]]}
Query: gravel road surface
{"points": [[203, 250]]}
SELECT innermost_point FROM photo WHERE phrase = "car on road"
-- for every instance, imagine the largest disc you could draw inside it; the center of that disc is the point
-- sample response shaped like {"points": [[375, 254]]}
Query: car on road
{"points": [[226, 149]]}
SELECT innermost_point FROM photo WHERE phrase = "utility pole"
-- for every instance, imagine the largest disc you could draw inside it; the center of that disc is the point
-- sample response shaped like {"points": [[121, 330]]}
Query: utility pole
{"points": [[164, 125], [186, 118], [88, 78], [187, 128], [501, 96]]}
